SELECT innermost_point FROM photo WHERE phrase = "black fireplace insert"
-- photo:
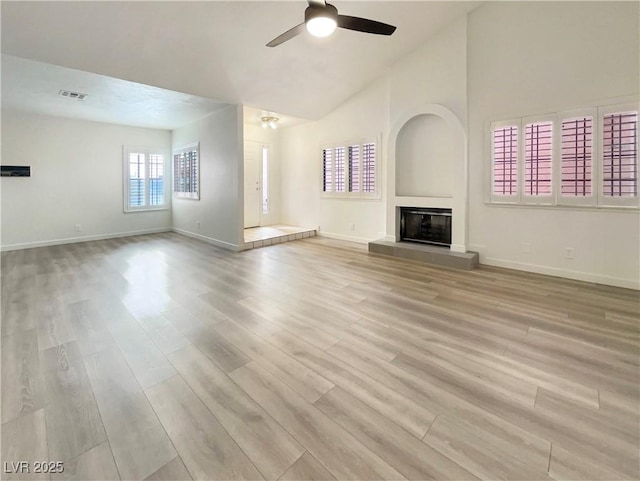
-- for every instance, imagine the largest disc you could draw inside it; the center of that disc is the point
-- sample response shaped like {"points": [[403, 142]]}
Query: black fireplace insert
{"points": [[429, 226]]}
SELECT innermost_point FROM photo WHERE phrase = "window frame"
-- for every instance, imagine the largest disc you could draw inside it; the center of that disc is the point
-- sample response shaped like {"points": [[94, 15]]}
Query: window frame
{"points": [[127, 150], [348, 193], [180, 150]]}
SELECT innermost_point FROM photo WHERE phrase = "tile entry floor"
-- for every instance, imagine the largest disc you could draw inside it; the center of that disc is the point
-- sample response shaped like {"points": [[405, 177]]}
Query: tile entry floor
{"points": [[275, 234]]}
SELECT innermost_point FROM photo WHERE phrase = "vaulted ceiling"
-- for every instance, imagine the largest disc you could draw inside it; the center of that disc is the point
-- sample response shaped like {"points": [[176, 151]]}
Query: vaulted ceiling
{"points": [[217, 49]]}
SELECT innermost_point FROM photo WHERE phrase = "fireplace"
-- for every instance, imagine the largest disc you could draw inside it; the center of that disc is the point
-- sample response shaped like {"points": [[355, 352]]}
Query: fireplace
{"points": [[428, 226]]}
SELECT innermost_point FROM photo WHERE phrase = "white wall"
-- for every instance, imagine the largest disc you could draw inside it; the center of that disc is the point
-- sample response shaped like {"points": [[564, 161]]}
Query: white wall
{"points": [[532, 58], [363, 117], [76, 178], [219, 209], [255, 133]]}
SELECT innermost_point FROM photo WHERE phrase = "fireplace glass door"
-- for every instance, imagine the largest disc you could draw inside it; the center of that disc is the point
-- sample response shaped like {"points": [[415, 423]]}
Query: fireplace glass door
{"points": [[429, 226]]}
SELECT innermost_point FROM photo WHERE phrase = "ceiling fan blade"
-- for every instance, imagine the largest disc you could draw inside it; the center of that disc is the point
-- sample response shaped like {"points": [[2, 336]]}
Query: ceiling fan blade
{"points": [[288, 35], [365, 25], [317, 3]]}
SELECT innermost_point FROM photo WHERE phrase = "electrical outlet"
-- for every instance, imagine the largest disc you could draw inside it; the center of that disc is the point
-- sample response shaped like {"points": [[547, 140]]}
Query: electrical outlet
{"points": [[525, 247], [352, 227], [569, 253], [78, 227], [197, 224]]}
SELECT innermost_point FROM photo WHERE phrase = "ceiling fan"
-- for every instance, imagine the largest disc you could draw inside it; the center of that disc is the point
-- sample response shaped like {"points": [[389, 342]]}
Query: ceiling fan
{"points": [[322, 18]]}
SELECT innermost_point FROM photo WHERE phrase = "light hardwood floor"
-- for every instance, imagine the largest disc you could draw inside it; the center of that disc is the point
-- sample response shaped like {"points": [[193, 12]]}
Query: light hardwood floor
{"points": [[160, 357]]}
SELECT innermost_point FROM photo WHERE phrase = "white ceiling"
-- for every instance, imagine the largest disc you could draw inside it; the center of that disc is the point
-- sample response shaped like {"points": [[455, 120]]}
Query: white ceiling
{"points": [[217, 49], [33, 87]]}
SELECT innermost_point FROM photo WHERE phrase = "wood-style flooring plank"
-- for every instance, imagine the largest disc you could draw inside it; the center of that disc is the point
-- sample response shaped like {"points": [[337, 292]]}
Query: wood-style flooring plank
{"points": [[207, 450], [306, 382], [96, 464], [480, 453], [218, 349], [89, 329], [138, 441], [146, 361], [24, 440], [174, 470], [269, 447], [403, 410], [342, 454], [22, 381], [438, 396], [410, 456], [307, 468], [74, 424], [53, 323], [605, 448], [598, 420], [565, 465]]}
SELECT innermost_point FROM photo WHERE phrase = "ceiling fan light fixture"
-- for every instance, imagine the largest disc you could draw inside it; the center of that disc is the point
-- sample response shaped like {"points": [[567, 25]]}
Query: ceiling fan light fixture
{"points": [[321, 21], [321, 26]]}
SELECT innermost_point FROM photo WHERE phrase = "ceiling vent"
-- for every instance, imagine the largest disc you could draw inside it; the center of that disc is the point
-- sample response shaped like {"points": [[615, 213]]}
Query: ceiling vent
{"points": [[72, 95]]}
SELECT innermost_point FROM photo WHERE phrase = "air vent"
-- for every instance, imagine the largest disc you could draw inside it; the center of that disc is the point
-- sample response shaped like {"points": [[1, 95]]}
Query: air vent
{"points": [[72, 95]]}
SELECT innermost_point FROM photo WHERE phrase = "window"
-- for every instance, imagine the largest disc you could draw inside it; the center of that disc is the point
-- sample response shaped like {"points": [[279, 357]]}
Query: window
{"points": [[350, 171], [144, 185], [594, 160], [186, 172]]}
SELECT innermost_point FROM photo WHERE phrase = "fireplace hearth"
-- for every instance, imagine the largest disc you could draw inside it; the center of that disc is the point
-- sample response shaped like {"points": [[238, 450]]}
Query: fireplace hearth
{"points": [[426, 225]]}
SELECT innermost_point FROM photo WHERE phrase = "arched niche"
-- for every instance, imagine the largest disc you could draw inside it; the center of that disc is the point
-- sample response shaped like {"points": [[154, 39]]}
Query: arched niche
{"points": [[416, 120], [424, 158]]}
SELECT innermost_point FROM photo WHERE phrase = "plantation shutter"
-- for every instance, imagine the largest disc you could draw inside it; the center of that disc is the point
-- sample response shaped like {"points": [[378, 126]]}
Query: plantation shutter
{"points": [[505, 161], [577, 157], [327, 169], [369, 168], [137, 195], [538, 158], [620, 154]]}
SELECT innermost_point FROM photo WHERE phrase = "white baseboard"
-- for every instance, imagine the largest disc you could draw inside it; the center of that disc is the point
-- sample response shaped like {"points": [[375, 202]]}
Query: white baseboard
{"points": [[75, 240], [558, 272], [359, 240], [210, 240]]}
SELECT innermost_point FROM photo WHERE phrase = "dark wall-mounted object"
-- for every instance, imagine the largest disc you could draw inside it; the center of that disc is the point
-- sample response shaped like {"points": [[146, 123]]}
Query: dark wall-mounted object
{"points": [[15, 171]]}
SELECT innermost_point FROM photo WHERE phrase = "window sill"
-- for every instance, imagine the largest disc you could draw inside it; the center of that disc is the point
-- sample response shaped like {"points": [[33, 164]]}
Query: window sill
{"points": [[153, 209], [366, 198], [592, 208]]}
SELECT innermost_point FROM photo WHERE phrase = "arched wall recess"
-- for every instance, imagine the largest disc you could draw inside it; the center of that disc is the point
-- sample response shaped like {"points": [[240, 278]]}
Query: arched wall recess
{"points": [[459, 191], [424, 158]]}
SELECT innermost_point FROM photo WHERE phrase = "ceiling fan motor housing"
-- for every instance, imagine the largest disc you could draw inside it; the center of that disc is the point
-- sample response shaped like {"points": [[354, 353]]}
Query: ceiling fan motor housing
{"points": [[314, 11]]}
